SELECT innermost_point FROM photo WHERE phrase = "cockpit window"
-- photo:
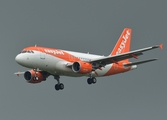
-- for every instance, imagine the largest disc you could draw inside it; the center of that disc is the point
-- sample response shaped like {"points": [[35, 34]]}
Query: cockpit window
{"points": [[24, 51], [27, 51]]}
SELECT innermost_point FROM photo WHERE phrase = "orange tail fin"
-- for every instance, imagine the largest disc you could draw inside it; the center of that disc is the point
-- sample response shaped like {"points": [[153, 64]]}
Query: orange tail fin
{"points": [[123, 44]]}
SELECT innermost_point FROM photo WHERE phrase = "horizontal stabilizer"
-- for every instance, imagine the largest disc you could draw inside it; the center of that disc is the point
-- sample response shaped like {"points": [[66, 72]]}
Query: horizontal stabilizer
{"points": [[140, 62]]}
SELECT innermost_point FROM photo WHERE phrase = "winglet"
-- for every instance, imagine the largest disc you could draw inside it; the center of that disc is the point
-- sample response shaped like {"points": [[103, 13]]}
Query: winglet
{"points": [[161, 46], [18, 73]]}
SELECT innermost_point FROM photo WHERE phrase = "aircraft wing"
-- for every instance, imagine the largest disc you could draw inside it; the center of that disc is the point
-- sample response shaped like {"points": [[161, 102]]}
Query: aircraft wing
{"points": [[19, 73], [124, 56]]}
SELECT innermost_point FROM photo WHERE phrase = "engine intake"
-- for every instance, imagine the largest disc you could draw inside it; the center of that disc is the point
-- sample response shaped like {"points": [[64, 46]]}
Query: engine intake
{"points": [[33, 77], [82, 67], [28, 75]]}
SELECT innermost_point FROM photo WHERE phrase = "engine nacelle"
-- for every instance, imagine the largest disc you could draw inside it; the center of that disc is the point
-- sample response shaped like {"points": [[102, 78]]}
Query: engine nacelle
{"points": [[33, 77], [82, 67]]}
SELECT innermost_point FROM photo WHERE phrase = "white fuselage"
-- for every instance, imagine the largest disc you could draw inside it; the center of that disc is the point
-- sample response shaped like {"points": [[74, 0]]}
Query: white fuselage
{"points": [[57, 66]]}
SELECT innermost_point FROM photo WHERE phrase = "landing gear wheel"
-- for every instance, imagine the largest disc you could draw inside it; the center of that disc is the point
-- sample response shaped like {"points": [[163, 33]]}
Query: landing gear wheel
{"points": [[93, 80], [61, 86], [57, 86], [89, 81]]}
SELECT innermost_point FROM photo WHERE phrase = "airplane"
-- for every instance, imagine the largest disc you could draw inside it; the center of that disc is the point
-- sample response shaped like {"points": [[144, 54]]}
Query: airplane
{"points": [[44, 61]]}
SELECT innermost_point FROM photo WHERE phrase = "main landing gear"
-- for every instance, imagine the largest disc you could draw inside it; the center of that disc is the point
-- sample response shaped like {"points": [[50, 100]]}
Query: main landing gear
{"points": [[91, 80], [58, 86]]}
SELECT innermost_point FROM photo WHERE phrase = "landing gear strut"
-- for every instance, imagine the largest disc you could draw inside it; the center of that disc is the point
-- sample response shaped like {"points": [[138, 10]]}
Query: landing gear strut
{"points": [[58, 86]]}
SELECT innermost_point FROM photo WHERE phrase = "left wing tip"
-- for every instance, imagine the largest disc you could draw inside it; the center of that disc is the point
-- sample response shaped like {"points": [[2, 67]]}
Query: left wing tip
{"points": [[19, 73], [161, 46]]}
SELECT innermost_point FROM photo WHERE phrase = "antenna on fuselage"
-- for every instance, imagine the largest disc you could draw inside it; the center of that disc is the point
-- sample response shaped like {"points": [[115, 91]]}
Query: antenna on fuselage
{"points": [[35, 45]]}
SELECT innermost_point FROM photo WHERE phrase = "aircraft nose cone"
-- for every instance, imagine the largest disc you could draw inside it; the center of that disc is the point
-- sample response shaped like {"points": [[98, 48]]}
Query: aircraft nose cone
{"points": [[23, 60], [19, 59]]}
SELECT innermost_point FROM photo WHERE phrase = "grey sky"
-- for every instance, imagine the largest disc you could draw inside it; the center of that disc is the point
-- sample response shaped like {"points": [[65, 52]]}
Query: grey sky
{"points": [[86, 26]]}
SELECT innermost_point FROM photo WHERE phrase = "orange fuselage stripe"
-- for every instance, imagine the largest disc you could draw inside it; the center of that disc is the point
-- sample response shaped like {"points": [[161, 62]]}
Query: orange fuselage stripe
{"points": [[55, 52]]}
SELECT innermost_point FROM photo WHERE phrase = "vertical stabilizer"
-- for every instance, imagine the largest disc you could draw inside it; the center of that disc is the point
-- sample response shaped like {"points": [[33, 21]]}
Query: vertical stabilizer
{"points": [[123, 44]]}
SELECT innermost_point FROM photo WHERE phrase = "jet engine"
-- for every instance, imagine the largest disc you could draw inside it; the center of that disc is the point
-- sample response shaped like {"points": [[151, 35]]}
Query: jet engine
{"points": [[82, 67], [33, 77]]}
